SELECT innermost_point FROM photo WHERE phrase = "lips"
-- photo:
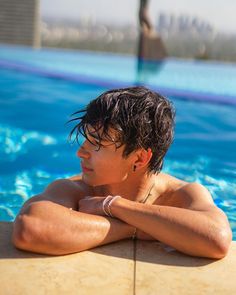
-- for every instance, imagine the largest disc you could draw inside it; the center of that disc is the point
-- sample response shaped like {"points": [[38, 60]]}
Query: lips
{"points": [[86, 169]]}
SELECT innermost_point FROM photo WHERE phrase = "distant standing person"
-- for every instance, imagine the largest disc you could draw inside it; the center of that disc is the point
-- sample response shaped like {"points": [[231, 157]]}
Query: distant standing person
{"points": [[150, 44], [144, 19]]}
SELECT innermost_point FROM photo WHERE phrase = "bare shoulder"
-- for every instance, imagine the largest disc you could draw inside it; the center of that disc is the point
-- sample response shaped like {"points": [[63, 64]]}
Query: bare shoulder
{"points": [[62, 186], [195, 196], [169, 182], [184, 194], [65, 192], [188, 195], [69, 187]]}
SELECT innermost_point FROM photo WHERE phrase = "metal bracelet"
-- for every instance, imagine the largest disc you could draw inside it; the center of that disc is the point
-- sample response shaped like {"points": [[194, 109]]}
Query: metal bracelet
{"points": [[109, 204], [105, 201]]}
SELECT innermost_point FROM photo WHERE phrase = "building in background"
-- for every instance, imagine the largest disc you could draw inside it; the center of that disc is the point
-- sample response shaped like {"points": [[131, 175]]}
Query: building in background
{"points": [[20, 22]]}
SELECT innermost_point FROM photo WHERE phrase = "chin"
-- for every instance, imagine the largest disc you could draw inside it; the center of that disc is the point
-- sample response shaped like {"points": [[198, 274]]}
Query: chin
{"points": [[99, 182], [91, 181], [87, 180]]}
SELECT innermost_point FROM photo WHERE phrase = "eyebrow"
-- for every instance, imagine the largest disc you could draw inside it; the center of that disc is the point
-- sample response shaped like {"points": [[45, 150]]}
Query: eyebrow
{"points": [[92, 134], [95, 136]]}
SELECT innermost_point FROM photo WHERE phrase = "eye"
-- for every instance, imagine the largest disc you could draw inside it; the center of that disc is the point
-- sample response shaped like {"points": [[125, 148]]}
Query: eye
{"points": [[96, 142], [97, 145], [93, 141]]}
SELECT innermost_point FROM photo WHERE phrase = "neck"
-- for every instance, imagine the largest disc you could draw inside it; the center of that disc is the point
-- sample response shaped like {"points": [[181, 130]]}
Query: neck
{"points": [[134, 188]]}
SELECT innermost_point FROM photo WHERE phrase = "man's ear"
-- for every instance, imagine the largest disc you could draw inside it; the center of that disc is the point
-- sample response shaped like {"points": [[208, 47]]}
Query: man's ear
{"points": [[143, 157]]}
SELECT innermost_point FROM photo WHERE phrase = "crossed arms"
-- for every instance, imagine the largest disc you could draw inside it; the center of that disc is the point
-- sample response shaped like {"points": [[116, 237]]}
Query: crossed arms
{"points": [[46, 224]]}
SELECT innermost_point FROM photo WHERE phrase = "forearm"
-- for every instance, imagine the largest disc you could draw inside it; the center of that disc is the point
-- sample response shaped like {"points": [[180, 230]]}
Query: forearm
{"points": [[50, 228], [188, 231]]}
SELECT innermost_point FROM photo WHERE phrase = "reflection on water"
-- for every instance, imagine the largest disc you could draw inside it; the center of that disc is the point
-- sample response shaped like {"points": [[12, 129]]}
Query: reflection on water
{"points": [[147, 69]]}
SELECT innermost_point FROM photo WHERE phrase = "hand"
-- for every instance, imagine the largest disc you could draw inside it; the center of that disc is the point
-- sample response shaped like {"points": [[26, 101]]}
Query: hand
{"points": [[91, 205]]}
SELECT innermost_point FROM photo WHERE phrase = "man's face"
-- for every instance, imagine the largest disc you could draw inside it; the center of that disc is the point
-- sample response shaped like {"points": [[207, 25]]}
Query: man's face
{"points": [[104, 165]]}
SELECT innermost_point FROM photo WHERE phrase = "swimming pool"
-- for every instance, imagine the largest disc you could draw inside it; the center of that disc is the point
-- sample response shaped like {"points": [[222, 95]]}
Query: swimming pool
{"points": [[35, 104]]}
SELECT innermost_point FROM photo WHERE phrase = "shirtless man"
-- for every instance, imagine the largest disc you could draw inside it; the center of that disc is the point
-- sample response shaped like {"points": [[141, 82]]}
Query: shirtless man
{"points": [[122, 192]]}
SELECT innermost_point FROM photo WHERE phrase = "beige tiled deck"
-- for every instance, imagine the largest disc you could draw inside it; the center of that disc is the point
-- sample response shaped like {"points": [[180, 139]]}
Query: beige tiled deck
{"points": [[113, 269], [163, 273]]}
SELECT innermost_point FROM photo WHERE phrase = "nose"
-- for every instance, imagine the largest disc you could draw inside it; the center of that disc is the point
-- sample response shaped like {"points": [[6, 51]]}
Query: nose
{"points": [[83, 151]]}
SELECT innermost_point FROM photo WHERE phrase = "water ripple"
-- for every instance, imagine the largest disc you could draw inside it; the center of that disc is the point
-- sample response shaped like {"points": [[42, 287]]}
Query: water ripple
{"points": [[15, 142]]}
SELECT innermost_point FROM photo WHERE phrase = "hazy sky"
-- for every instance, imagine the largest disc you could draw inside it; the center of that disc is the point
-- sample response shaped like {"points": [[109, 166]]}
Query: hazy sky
{"points": [[219, 13]]}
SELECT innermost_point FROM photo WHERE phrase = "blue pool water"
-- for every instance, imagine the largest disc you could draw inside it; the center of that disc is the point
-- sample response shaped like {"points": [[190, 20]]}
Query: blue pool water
{"points": [[35, 104], [209, 81]]}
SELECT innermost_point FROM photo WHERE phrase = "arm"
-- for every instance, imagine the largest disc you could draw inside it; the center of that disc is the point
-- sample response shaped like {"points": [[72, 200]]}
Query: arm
{"points": [[46, 224], [200, 229], [46, 227]]}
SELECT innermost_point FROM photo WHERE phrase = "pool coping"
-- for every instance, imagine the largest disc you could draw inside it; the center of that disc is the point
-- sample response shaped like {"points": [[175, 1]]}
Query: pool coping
{"points": [[112, 269]]}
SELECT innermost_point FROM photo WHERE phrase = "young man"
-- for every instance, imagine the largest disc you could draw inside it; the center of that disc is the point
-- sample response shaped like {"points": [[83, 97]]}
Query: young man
{"points": [[122, 193]]}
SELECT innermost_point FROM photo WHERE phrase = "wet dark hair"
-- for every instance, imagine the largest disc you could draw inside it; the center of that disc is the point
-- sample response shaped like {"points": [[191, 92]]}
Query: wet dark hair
{"points": [[141, 118]]}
